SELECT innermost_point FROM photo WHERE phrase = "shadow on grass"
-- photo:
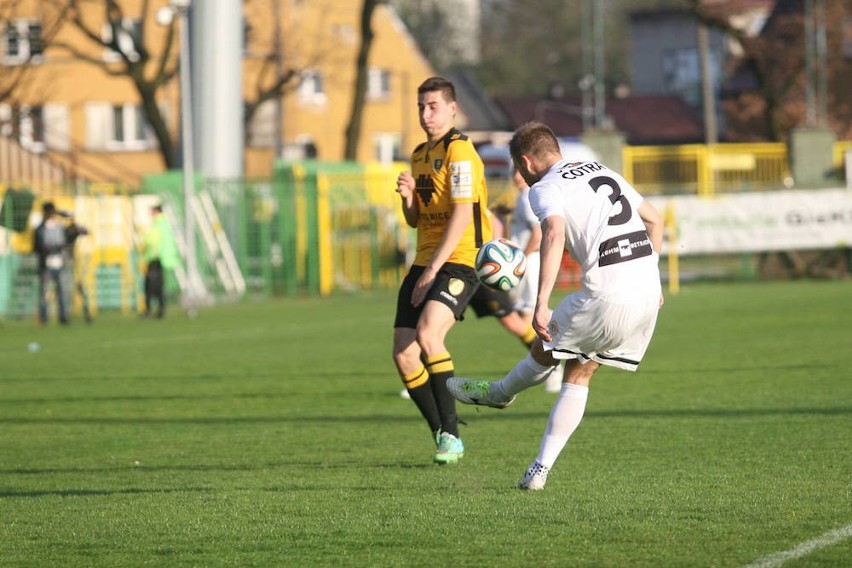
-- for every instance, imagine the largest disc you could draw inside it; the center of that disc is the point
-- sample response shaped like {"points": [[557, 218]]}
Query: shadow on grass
{"points": [[484, 414], [146, 398], [94, 492]]}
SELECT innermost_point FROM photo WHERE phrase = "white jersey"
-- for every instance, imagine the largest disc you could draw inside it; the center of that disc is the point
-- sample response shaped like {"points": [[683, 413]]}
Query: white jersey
{"points": [[523, 219], [603, 230]]}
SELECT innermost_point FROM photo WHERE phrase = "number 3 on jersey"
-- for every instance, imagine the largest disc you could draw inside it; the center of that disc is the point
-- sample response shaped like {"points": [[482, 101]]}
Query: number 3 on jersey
{"points": [[614, 197]]}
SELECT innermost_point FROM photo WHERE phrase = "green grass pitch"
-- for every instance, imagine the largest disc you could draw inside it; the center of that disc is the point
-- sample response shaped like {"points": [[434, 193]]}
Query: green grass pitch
{"points": [[272, 434]]}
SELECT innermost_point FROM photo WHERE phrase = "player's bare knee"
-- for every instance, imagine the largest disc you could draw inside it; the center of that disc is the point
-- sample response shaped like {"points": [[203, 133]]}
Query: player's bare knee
{"points": [[429, 340], [580, 373], [541, 356]]}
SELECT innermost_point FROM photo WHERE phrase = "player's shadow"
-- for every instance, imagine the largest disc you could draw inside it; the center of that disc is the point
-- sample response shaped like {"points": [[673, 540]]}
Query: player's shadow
{"points": [[94, 492]]}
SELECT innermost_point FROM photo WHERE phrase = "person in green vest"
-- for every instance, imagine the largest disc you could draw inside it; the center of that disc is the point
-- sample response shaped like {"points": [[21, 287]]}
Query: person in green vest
{"points": [[158, 246]]}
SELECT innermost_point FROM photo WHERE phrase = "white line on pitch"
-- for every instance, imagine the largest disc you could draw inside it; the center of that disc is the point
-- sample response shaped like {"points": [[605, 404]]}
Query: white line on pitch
{"points": [[822, 541]]}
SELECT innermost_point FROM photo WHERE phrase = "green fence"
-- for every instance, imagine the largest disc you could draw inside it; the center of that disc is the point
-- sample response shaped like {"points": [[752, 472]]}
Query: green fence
{"points": [[312, 228]]}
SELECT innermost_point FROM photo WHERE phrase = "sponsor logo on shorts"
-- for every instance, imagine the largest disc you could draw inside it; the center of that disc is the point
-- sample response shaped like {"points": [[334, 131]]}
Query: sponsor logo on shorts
{"points": [[624, 247], [449, 298], [455, 286]]}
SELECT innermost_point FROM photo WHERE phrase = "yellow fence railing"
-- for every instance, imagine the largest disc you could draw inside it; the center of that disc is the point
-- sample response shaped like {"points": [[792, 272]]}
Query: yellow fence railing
{"points": [[706, 169], [839, 155]]}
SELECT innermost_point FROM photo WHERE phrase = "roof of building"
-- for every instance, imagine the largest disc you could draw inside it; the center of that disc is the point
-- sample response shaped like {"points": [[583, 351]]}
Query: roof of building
{"points": [[644, 119], [480, 111]]}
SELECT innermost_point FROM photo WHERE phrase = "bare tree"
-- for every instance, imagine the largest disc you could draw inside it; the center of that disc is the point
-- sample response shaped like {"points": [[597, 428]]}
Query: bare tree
{"points": [[277, 68], [353, 130], [148, 71], [775, 61]]}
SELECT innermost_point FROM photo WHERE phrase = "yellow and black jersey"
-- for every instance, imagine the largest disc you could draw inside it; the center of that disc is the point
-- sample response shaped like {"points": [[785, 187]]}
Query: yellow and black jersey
{"points": [[448, 173]]}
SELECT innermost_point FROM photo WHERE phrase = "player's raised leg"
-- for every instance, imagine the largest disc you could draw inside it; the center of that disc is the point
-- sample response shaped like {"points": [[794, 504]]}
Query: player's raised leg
{"points": [[529, 371]]}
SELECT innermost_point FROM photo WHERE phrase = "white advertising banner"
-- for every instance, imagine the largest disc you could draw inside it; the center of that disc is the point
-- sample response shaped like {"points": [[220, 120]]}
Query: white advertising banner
{"points": [[765, 221]]}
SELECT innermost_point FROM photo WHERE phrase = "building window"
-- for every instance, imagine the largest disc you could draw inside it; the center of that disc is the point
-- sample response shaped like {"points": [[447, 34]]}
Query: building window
{"points": [[32, 128], [25, 124], [128, 34], [111, 127], [261, 128], [22, 41], [345, 33], [387, 147], [6, 127], [128, 126], [311, 87], [378, 84], [682, 73]]}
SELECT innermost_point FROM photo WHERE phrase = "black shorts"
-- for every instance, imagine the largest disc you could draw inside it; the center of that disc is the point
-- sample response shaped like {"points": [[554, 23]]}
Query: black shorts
{"points": [[490, 302], [454, 286]]}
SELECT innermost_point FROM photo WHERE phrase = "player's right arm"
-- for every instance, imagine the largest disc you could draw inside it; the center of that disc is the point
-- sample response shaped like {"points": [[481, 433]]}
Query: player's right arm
{"points": [[552, 245], [534, 244], [410, 208]]}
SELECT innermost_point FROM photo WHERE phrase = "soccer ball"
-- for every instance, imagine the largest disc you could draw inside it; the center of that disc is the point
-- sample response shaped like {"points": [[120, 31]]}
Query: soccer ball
{"points": [[500, 264]]}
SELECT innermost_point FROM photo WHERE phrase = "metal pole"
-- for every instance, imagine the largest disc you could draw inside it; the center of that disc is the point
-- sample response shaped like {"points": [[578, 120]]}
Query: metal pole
{"points": [[810, 97], [600, 71], [188, 154], [403, 99], [821, 65], [279, 69], [708, 89]]}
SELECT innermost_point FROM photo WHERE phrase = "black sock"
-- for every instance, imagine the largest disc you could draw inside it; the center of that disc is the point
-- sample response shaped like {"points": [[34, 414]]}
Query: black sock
{"points": [[420, 388], [441, 369]]}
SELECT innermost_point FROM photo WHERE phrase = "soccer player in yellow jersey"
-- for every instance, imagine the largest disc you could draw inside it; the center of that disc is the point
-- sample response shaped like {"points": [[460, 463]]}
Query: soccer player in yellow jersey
{"points": [[445, 197]]}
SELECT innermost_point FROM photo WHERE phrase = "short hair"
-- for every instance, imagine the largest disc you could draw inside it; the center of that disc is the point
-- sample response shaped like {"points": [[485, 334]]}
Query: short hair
{"points": [[534, 139], [158, 208], [445, 86], [48, 208]]}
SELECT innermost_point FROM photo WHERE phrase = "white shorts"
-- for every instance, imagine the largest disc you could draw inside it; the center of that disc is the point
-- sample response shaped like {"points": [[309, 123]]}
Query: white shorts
{"points": [[610, 333], [524, 294]]}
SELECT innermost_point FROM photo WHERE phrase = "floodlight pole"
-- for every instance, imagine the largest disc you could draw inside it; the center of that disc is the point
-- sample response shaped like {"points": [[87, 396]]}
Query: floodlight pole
{"points": [[182, 8]]}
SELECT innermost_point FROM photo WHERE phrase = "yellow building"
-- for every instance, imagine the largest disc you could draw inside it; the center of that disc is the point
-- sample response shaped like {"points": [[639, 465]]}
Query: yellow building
{"points": [[73, 103]]}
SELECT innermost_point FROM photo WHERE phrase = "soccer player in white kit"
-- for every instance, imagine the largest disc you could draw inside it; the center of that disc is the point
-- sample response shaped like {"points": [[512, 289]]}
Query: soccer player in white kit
{"points": [[615, 236], [525, 231]]}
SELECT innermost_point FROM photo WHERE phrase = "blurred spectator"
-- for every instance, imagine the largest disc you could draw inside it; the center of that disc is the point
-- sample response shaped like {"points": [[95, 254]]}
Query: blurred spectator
{"points": [[159, 249], [50, 243]]}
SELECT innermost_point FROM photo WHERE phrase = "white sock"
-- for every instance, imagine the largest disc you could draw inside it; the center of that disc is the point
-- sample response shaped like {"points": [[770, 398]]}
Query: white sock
{"points": [[564, 418], [527, 373]]}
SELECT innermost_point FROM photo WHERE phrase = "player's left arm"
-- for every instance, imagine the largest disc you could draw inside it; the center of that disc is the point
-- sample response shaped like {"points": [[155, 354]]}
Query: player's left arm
{"points": [[654, 224]]}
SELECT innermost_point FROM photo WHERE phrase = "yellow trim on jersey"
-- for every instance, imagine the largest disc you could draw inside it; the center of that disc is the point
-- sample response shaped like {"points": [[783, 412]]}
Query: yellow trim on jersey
{"points": [[448, 173]]}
